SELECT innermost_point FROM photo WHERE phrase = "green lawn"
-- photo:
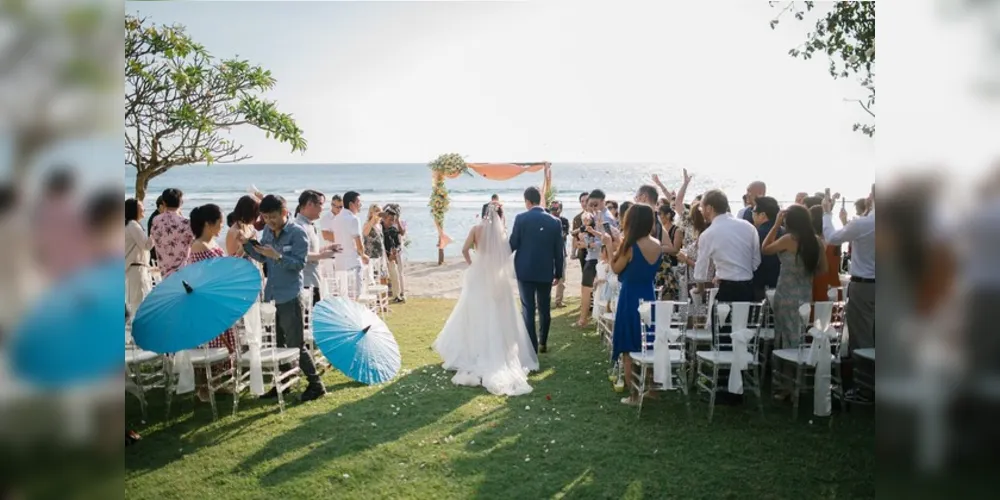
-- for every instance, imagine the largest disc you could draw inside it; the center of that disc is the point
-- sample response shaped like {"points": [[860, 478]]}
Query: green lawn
{"points": [[421, 437]]}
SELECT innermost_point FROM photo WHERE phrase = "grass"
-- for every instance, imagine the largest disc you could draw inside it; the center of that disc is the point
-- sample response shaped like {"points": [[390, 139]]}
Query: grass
{"points": [[421, 437]]}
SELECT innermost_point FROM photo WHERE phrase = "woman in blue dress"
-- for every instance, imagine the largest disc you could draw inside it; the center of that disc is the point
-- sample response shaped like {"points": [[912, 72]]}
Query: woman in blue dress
{"points": [[636, 263]]}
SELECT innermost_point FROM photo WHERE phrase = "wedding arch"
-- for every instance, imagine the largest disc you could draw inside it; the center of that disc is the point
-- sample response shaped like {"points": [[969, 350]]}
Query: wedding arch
{"points": [[451, 166]]}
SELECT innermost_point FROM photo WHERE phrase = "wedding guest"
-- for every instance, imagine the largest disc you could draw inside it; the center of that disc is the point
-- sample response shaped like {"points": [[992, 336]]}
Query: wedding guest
{"points": [[693, 224], [580, 253], [598, 207], [372, 230], [172, 233], [765, 215], [636, 263], [755, 190], [348, 230], [400, 225], [624, 208], [393, 249], [647, 195], [800, 198], [669, 280], [829, 276], [206, 224], [861, 207], [309, 210], [160, 208], [245, 214], [284, 249], [812, 201], [733, 245], [801, 254], [326, 223], [746, 206], [138, 283], [556, 211], [860, 233], [590, 241], [612, 207]]}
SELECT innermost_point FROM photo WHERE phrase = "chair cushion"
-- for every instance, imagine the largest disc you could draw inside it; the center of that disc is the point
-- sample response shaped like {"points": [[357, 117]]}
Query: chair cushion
{"points": [[719, 358], [868, 354], [138, 356], [268, 355], [792, 356], [207, 356], [676, 357], [698, 335]]}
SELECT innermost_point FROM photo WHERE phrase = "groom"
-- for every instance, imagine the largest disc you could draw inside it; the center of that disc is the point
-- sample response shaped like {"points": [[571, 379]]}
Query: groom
{"points": [[536, 241]]}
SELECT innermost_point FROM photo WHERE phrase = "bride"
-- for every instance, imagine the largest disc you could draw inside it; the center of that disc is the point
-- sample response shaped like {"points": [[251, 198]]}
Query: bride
{"points": [[485, 340]]}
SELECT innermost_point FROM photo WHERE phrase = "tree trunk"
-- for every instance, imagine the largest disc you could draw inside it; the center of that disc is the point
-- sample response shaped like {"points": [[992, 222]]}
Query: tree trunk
{"points": [[141, 182]]}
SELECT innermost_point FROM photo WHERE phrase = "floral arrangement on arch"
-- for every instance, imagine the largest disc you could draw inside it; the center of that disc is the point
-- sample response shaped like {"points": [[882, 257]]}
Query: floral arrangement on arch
{"points": [[443, 167]]}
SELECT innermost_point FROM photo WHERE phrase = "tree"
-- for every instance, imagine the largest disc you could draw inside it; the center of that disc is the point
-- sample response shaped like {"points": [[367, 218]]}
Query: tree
{"points": [[179, 101], [846, 34]]}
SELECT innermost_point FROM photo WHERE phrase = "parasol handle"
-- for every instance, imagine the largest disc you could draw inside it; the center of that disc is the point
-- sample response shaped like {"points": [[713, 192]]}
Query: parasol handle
{"points": [[187, 287]]}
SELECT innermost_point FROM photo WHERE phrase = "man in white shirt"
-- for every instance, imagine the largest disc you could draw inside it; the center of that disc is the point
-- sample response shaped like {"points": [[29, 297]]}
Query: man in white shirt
{"points": [[860, 233], [347, 231], [326, 222], [733, 245]]}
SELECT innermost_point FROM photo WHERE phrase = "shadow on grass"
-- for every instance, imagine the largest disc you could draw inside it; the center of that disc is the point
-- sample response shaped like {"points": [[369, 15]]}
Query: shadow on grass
{"points": [[321, 438], [573, 438]]}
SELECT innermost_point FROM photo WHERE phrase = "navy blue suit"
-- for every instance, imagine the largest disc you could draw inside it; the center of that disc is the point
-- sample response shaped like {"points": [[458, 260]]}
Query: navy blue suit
{"points": [[539, 259]]}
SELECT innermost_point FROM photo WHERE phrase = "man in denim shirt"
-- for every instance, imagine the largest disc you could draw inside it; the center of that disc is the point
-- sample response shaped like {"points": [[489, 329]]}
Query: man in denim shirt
{"points": [[284, 247]]}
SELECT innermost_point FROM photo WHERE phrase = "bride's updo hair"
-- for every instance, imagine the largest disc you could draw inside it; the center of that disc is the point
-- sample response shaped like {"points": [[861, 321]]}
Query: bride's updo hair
{"points": [[486, 210]]}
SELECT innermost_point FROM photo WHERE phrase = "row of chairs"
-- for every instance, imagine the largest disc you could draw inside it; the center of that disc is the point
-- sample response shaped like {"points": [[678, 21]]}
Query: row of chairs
{"points": [[725, 353]]}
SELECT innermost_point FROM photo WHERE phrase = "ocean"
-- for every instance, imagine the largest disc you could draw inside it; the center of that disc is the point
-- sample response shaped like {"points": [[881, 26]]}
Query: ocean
{"points": [[409, 185]]}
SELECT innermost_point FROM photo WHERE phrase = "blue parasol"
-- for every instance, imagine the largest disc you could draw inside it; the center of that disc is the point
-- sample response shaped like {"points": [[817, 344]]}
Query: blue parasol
{"points": [[70, 336], [356, 341], [196, 304]]}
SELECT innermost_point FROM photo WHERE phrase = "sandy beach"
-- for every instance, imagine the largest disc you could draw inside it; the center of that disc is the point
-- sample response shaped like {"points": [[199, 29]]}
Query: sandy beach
{"points": [[429, 280]]}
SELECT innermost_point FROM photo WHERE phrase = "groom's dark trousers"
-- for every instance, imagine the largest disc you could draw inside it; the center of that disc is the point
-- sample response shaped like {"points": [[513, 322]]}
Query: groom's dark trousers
{"points": [[536, 297]]}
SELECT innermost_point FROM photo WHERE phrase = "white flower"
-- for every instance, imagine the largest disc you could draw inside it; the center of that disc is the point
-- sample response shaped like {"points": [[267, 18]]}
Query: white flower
{"points": [[870, 53], [853, 59]]}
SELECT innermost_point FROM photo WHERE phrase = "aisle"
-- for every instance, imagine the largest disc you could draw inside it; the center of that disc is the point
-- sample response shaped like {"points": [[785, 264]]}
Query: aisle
{"points": [[421, 437]]}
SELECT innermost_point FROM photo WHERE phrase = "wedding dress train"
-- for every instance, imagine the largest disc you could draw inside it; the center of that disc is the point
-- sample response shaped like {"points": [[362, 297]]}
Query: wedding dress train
{"points": [[485, 340]]}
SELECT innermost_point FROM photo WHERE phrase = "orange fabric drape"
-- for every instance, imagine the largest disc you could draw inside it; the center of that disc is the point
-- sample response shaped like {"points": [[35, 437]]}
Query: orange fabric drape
{"points": [[502, 171], [498, 172]]}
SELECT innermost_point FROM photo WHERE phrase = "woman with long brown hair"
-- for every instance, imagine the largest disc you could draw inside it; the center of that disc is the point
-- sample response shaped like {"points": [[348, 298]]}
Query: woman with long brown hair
{"points": [[636, 263], [802, 257]]}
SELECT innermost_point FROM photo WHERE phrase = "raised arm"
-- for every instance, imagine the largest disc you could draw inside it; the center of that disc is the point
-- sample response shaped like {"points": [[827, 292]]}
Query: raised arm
{"points": [[679, 200]]}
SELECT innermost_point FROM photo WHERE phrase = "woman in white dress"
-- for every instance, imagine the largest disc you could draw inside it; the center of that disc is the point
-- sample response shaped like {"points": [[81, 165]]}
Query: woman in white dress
{"points": [[138, 283], [485, 340]]}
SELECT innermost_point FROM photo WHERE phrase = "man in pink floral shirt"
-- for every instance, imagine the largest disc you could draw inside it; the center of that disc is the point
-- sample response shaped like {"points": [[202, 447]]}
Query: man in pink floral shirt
{"points": [[172, 234]]}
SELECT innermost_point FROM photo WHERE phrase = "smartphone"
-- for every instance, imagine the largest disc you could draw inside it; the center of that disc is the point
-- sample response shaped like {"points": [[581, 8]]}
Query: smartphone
{"points": [[828, 193], [843, 204], [607, 227]]}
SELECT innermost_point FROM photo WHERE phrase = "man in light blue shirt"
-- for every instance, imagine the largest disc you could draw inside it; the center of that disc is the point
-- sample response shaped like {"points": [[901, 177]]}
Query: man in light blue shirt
{"points": [[860, 233], [284, 249]]}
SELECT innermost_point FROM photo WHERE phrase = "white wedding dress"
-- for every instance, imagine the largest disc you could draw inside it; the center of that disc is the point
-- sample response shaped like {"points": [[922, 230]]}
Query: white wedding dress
{"points": [[485, 340]]}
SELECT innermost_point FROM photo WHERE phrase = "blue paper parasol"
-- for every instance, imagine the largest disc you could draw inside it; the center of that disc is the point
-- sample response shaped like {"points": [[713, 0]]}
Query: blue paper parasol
{"points": [[356, 341], [70, 335], [196, 304]]}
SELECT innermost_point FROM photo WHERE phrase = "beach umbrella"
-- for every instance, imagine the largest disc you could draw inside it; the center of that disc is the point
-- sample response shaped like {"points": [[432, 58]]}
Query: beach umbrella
{"points": [[196, 304], [356, 341], [70, 335]]}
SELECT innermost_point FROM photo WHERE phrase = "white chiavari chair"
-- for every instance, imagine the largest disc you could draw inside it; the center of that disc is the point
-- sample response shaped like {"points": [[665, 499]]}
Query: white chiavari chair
{"points": [[735, 345], [794, 369], [660, 365]]}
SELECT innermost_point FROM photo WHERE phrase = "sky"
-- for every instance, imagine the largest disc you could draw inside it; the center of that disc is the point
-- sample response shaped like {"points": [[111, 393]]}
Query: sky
{"points": [[706, 85]]}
